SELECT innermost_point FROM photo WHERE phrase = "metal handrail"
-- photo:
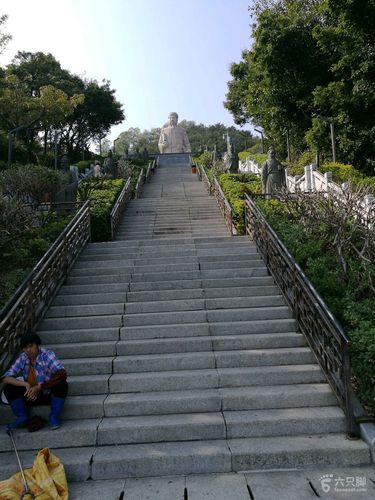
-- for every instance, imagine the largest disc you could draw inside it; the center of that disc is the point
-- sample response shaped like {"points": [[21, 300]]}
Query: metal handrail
{"points": [[119, 207], [150, 168], [224, 206], [326, 337], [205, 179], [29, 303], [139, 184]]}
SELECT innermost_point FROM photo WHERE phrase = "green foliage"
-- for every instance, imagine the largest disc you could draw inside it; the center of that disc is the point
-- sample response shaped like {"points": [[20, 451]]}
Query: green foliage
{"points": [[259, 158], [33, 182], [306, 158], [102, 198], [311, 62], [28, 245], [351, 300], [38, 94], [235, 186], [82, 165], [15, 220], [341, 172], [205, 159], [242, 155]]}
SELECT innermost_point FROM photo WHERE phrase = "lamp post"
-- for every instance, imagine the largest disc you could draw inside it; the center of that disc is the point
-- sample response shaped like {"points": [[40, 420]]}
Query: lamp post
{"points": [[56, 147], [10, 141], [333, 135], [114, 145], [261, 136]]}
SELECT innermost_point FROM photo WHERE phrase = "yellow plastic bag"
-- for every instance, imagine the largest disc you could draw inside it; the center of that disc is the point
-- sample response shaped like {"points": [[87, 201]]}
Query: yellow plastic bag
{"points": [[46, 480]]}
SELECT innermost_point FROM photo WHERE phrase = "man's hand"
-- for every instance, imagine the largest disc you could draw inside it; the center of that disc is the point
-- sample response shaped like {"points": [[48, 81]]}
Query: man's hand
{"points": [[32, 393]]}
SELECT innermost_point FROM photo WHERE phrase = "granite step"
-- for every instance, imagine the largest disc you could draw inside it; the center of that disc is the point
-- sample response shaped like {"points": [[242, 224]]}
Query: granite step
{"points": [[218, 399], [212, 378], [205, 343], [190, 457]]}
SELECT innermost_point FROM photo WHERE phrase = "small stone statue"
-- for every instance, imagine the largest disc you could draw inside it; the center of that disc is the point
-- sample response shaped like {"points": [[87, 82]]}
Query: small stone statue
{"points": [[64, 163], [273, 174], [109, 167], [231, 157], [173, 138]]}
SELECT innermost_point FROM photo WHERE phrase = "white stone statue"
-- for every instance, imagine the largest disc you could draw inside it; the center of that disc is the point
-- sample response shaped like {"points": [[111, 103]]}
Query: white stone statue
{"points": [[173, 138]]}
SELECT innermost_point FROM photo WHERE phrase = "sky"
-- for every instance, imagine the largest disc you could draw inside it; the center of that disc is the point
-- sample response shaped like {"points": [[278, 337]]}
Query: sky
{"points": [[159, 55]]}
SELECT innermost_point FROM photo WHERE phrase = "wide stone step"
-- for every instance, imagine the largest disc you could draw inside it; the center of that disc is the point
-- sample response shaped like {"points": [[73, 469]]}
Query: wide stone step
{"points": [[123, 272], [200, 304], [212, 316], [218, 399], [198, 293], [98, 289], [160, 428], [72, 434], [161, 295], [255, 326], [284, 422], [200, 283], [93, 349], [205, 343], [90, 298], [84, 322], [210, 378], [154, 459], [85, 310], [88, 366], [190, 457], [283, 452], [214, 329], [105, 264], [156, 362], [88, 384], [81, 335], [169, 402], [105, 279]]}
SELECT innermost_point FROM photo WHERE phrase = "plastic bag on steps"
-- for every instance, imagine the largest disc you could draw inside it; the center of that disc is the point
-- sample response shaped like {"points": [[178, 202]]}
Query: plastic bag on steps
{"points": [[46, 480]]}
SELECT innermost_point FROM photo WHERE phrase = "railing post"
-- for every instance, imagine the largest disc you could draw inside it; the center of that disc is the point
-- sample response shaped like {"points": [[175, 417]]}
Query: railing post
{"points": [[349, 403]]}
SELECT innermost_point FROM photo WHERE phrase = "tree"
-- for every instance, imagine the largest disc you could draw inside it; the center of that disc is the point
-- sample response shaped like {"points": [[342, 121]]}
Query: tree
{"points": [[310, 59], [30, 113], [347, 38], [272, 86], [95, 110], [4, 37], [93, 118], [200, 137]]}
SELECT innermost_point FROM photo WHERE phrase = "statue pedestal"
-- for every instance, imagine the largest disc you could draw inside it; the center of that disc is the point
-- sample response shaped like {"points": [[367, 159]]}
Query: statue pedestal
{"points": [[174, 159]]}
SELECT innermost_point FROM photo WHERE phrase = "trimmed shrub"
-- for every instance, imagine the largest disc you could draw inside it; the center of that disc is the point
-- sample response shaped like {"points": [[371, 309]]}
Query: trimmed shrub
{"points": [[102, 200], [342, 172], [349, 297], [235, 186]]}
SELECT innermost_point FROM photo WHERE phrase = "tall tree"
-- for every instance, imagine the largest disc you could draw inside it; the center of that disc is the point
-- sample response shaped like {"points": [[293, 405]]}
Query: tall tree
{"points": [[93, 115], [4, 37], [312, 62]]}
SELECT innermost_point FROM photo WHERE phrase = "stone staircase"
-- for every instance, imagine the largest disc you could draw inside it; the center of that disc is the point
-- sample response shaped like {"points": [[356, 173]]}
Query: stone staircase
{"points": [[182, 354]]}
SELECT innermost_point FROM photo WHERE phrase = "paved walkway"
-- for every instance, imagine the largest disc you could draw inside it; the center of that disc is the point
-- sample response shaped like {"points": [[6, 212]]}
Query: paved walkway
{"points": [[342, 483]]}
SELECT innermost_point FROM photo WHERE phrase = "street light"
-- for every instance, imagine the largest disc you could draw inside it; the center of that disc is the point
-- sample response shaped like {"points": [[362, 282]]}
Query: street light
{"points": [[333, 135], [114, 145], [262, 138]]}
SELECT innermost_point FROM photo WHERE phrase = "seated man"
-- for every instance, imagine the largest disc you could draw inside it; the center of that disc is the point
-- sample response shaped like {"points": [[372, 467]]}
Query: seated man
{"points": [[36, 377], [173, 138]]}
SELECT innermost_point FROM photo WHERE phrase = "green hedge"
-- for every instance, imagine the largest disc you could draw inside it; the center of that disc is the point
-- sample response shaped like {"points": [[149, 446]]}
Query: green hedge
{"points": [[102, 200], [351, 299], [235, 186], [17, 263]]}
